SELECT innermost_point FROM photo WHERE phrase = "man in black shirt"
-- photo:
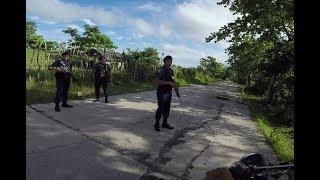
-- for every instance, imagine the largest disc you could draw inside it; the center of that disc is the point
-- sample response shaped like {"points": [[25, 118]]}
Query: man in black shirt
{"points": [[165, 81], [102, 77], [63, 73]]}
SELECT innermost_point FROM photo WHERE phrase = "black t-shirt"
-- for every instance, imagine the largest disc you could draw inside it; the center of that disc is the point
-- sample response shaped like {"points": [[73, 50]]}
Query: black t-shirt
{"points": [[66, 65], [165, 74], [102, 70]]}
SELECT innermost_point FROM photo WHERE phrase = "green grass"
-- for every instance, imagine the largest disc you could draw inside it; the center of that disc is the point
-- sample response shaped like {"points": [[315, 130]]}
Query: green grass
{"points": [[279, 136], [32, 62], [185, 81], [44, 92], [40, 83]]}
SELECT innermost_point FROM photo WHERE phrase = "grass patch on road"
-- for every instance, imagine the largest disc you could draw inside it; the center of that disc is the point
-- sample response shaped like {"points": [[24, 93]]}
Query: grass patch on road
{"points": [[279, 136]]}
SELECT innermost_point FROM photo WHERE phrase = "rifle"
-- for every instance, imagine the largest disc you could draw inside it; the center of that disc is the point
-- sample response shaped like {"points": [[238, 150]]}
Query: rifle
{"points": [[177, 93], [256, 166], [73, 78], [271, 170], [68, 71]]}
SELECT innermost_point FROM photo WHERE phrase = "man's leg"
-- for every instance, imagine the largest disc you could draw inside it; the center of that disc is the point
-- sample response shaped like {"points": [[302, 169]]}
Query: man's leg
{"points": [[105, 89], [97, 88], [59, 88], [166, 110], [159, 111], [65, 92]]}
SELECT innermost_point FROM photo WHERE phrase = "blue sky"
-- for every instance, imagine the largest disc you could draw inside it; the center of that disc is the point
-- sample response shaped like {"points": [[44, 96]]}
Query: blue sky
{"points": [[174, 27]]}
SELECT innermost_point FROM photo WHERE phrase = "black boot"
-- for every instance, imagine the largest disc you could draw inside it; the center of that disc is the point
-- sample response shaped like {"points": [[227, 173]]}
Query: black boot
{"points": [[156, 125], [96, 100], [106, 100], [65, 104], [166, 125], [57, 108]]}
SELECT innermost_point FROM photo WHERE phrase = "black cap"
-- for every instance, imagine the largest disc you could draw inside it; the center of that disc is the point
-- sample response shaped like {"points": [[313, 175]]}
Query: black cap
{"points": [[167, 58], [101, 57], [65, 53]]}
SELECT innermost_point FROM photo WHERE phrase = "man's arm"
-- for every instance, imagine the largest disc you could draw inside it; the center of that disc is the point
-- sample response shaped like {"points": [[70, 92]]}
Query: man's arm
{"points": [[70, 67], [109, 72], [162, 82], [159, 74], [109, 75], [54, 67]]}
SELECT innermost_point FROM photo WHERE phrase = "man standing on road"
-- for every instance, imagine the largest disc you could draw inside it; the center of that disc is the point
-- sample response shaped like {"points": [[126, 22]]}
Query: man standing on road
{"points": [[165, 82], [102, 77], [63, 73]]}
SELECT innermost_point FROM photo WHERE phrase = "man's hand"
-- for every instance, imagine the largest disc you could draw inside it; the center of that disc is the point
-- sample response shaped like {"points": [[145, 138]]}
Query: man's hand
{"points": [[172, 84], [219, 174], [57, 69]]}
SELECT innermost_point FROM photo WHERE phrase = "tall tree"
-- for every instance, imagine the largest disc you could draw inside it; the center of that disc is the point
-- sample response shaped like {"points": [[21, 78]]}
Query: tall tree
{"points": [[212, 67], [92, 37], [32, 38], [75, 37], [262, 51]]}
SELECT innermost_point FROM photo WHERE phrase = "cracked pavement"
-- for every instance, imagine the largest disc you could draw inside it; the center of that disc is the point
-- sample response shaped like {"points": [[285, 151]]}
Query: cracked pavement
{"points": [[117, 140]]}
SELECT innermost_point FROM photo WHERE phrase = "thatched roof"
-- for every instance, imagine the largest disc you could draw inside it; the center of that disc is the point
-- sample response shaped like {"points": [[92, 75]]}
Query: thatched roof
{"points": [[108, 54]]}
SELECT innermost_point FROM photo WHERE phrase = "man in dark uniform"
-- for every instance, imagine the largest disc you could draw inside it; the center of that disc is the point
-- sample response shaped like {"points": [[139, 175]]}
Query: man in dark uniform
{"points": [[102, 77], [63, 73], [165, 82]]}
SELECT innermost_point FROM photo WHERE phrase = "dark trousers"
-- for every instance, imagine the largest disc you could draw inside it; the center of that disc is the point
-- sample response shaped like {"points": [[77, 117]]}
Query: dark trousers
{"points": [[62, 85], [164, 103], [98, 82]]}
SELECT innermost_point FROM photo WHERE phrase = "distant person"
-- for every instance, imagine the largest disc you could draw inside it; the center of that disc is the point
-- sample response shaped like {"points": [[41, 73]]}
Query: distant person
{"points": [[102, 77], [63, 73], [165, 81]]}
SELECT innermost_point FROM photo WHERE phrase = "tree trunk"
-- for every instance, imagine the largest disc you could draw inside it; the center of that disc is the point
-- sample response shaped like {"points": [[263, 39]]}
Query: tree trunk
{"points": [[38, 58], [82, 72], [33, 52], [248, 80], [270, 91]]}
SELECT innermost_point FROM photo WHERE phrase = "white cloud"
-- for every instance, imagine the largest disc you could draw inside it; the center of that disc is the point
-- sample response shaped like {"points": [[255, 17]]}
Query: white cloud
{"points": [[38, 20], [182, 55], [142, 28], [119, 38], [111, 32], [223, 44], [146, 44], [186, 56], [47, 22], [33, 17], [137, 35], [151, 6], [198, 18], [164, 30], [89, 22], [76, 27], [53, 35], [58, 11]]}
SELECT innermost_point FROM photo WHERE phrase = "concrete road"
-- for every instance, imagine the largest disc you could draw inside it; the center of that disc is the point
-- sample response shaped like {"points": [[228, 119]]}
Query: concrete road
{"points": [[94, 140]]}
